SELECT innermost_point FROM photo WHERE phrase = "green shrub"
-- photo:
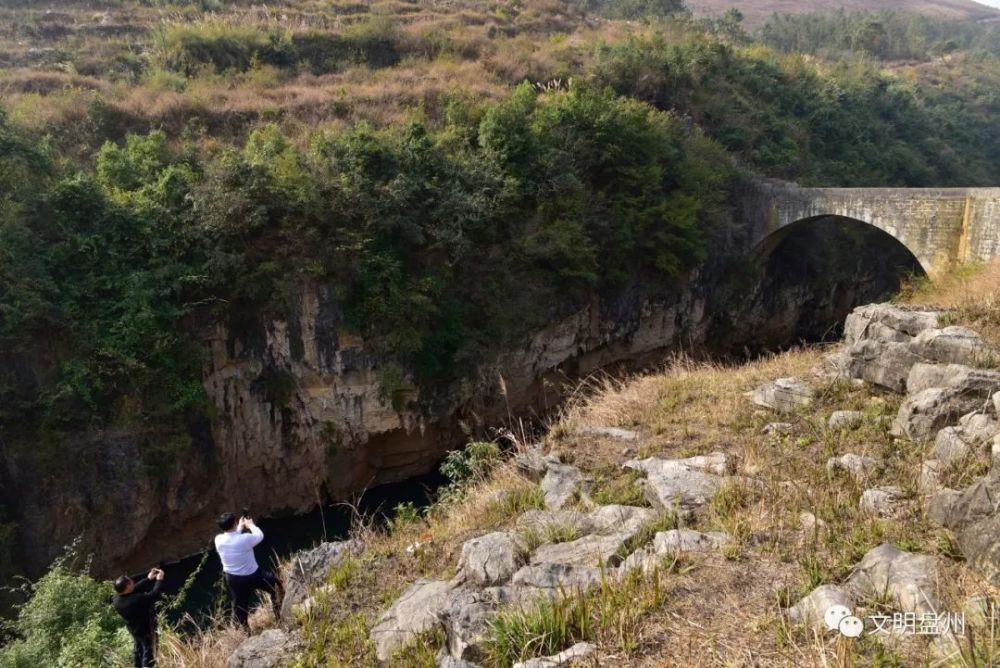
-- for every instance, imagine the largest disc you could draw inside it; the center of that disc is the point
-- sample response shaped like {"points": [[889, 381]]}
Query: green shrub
{"points": [[473, 462], [67, 622]]}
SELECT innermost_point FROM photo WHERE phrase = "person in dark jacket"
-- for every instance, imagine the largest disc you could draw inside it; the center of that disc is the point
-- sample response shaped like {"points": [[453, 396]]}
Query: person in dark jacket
{"points": [[135, 601]]}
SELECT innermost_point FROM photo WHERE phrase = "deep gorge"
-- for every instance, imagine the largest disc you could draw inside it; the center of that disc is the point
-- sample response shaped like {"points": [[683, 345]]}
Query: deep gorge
{"points": [[300, 414]]}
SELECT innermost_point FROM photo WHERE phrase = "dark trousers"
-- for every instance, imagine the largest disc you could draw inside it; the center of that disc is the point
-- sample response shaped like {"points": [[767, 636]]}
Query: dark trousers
{"points": [[144, 650], [242, 587]]}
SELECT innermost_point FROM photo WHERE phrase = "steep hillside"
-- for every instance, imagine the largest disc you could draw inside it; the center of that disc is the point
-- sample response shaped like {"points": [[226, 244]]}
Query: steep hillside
{"points": [[294, 248], [700, 516]]}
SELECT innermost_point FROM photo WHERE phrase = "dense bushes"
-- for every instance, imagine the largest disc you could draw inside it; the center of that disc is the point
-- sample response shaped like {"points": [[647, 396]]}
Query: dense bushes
{"points": [[885, 35], [445, 246], [449, 244], [97, 288], [67, 622], [634, 9], [223, 47], [791, 117]]}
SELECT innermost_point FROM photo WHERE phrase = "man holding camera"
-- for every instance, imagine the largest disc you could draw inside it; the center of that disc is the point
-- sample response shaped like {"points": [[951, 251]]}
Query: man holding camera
{"points": [[136, 603], [243, 576]]}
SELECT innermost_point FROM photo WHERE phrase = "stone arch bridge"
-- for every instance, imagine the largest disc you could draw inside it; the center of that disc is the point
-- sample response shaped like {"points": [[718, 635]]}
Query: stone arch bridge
{"points": [[942, 227]]}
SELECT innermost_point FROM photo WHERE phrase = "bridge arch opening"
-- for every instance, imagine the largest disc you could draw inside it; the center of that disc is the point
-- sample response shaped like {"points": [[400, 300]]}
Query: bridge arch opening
{"points": [[812, 273], [840, 229]]}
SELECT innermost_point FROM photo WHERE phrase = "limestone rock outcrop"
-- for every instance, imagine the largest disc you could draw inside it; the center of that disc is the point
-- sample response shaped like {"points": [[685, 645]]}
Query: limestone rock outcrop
{"points": [[273, 648]]}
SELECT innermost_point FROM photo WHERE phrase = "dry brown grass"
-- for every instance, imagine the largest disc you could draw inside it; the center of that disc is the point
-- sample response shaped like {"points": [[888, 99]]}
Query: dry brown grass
{"points": [[727, 609], [971, 293], [210, 648], [719, 610]]}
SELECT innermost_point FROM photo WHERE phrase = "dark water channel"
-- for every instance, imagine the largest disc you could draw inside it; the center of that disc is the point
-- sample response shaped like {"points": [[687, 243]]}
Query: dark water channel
{"points": [[206, 595]]}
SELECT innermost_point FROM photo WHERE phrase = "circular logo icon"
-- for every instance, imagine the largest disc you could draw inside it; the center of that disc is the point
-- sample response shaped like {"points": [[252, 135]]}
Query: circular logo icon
{"points": [[851, 626], [833, 616]]}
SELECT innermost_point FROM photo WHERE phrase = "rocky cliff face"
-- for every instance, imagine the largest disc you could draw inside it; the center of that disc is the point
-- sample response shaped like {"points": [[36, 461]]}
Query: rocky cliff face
{"points": [[300, 411], [300, 414]]}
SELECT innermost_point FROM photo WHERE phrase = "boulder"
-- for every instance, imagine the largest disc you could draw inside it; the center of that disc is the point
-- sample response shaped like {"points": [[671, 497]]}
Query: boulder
{"points": [[951, 345], [416, 611], [974, 515], [845, 420], [921, 415], [780, 428], [531, 463], [859, 468], [950, 445], [623, 520], [489, 560], [465, 620], [564, 658], [887, 322], [308, 569], [273, 648], [883, 501], [445, 660], [887, 365], [612, 432], [547, 520], [681, 483], [669, 544], [686, 540], [716, 463], [978, 427], [785, 395], [930, 477], [908, 579], [811, 610], [562, 482], [557, 577], [592, 550], [977, 382]]}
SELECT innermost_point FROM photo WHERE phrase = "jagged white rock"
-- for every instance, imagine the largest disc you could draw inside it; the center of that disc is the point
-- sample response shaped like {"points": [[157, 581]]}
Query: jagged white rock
{"points": [[625, 520], [909, 579], [557, 576], [857, 466], [592, 550], [971, 381], [781, 428], [887, 322], [681, 483], [785, 395], [273, 648], [489, 560], [922, 414], [844, 420], [956, 345], [612, 432], [560, 484], [309, 568], [416, 611], [465, 620], [882, 501], [810, 610], [577, 651]]}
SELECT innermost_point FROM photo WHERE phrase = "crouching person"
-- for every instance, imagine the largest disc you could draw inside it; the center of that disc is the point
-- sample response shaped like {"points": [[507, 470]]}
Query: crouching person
{"points": [[135, 601], [243, 576]]}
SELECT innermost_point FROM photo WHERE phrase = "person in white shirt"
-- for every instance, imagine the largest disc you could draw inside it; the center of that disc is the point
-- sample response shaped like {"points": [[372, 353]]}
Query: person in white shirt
{"points": [[243, 576]]}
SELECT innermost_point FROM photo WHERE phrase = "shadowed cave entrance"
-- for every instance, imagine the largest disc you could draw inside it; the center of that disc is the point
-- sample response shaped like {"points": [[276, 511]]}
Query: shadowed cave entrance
{"points": [[808, 276]]}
